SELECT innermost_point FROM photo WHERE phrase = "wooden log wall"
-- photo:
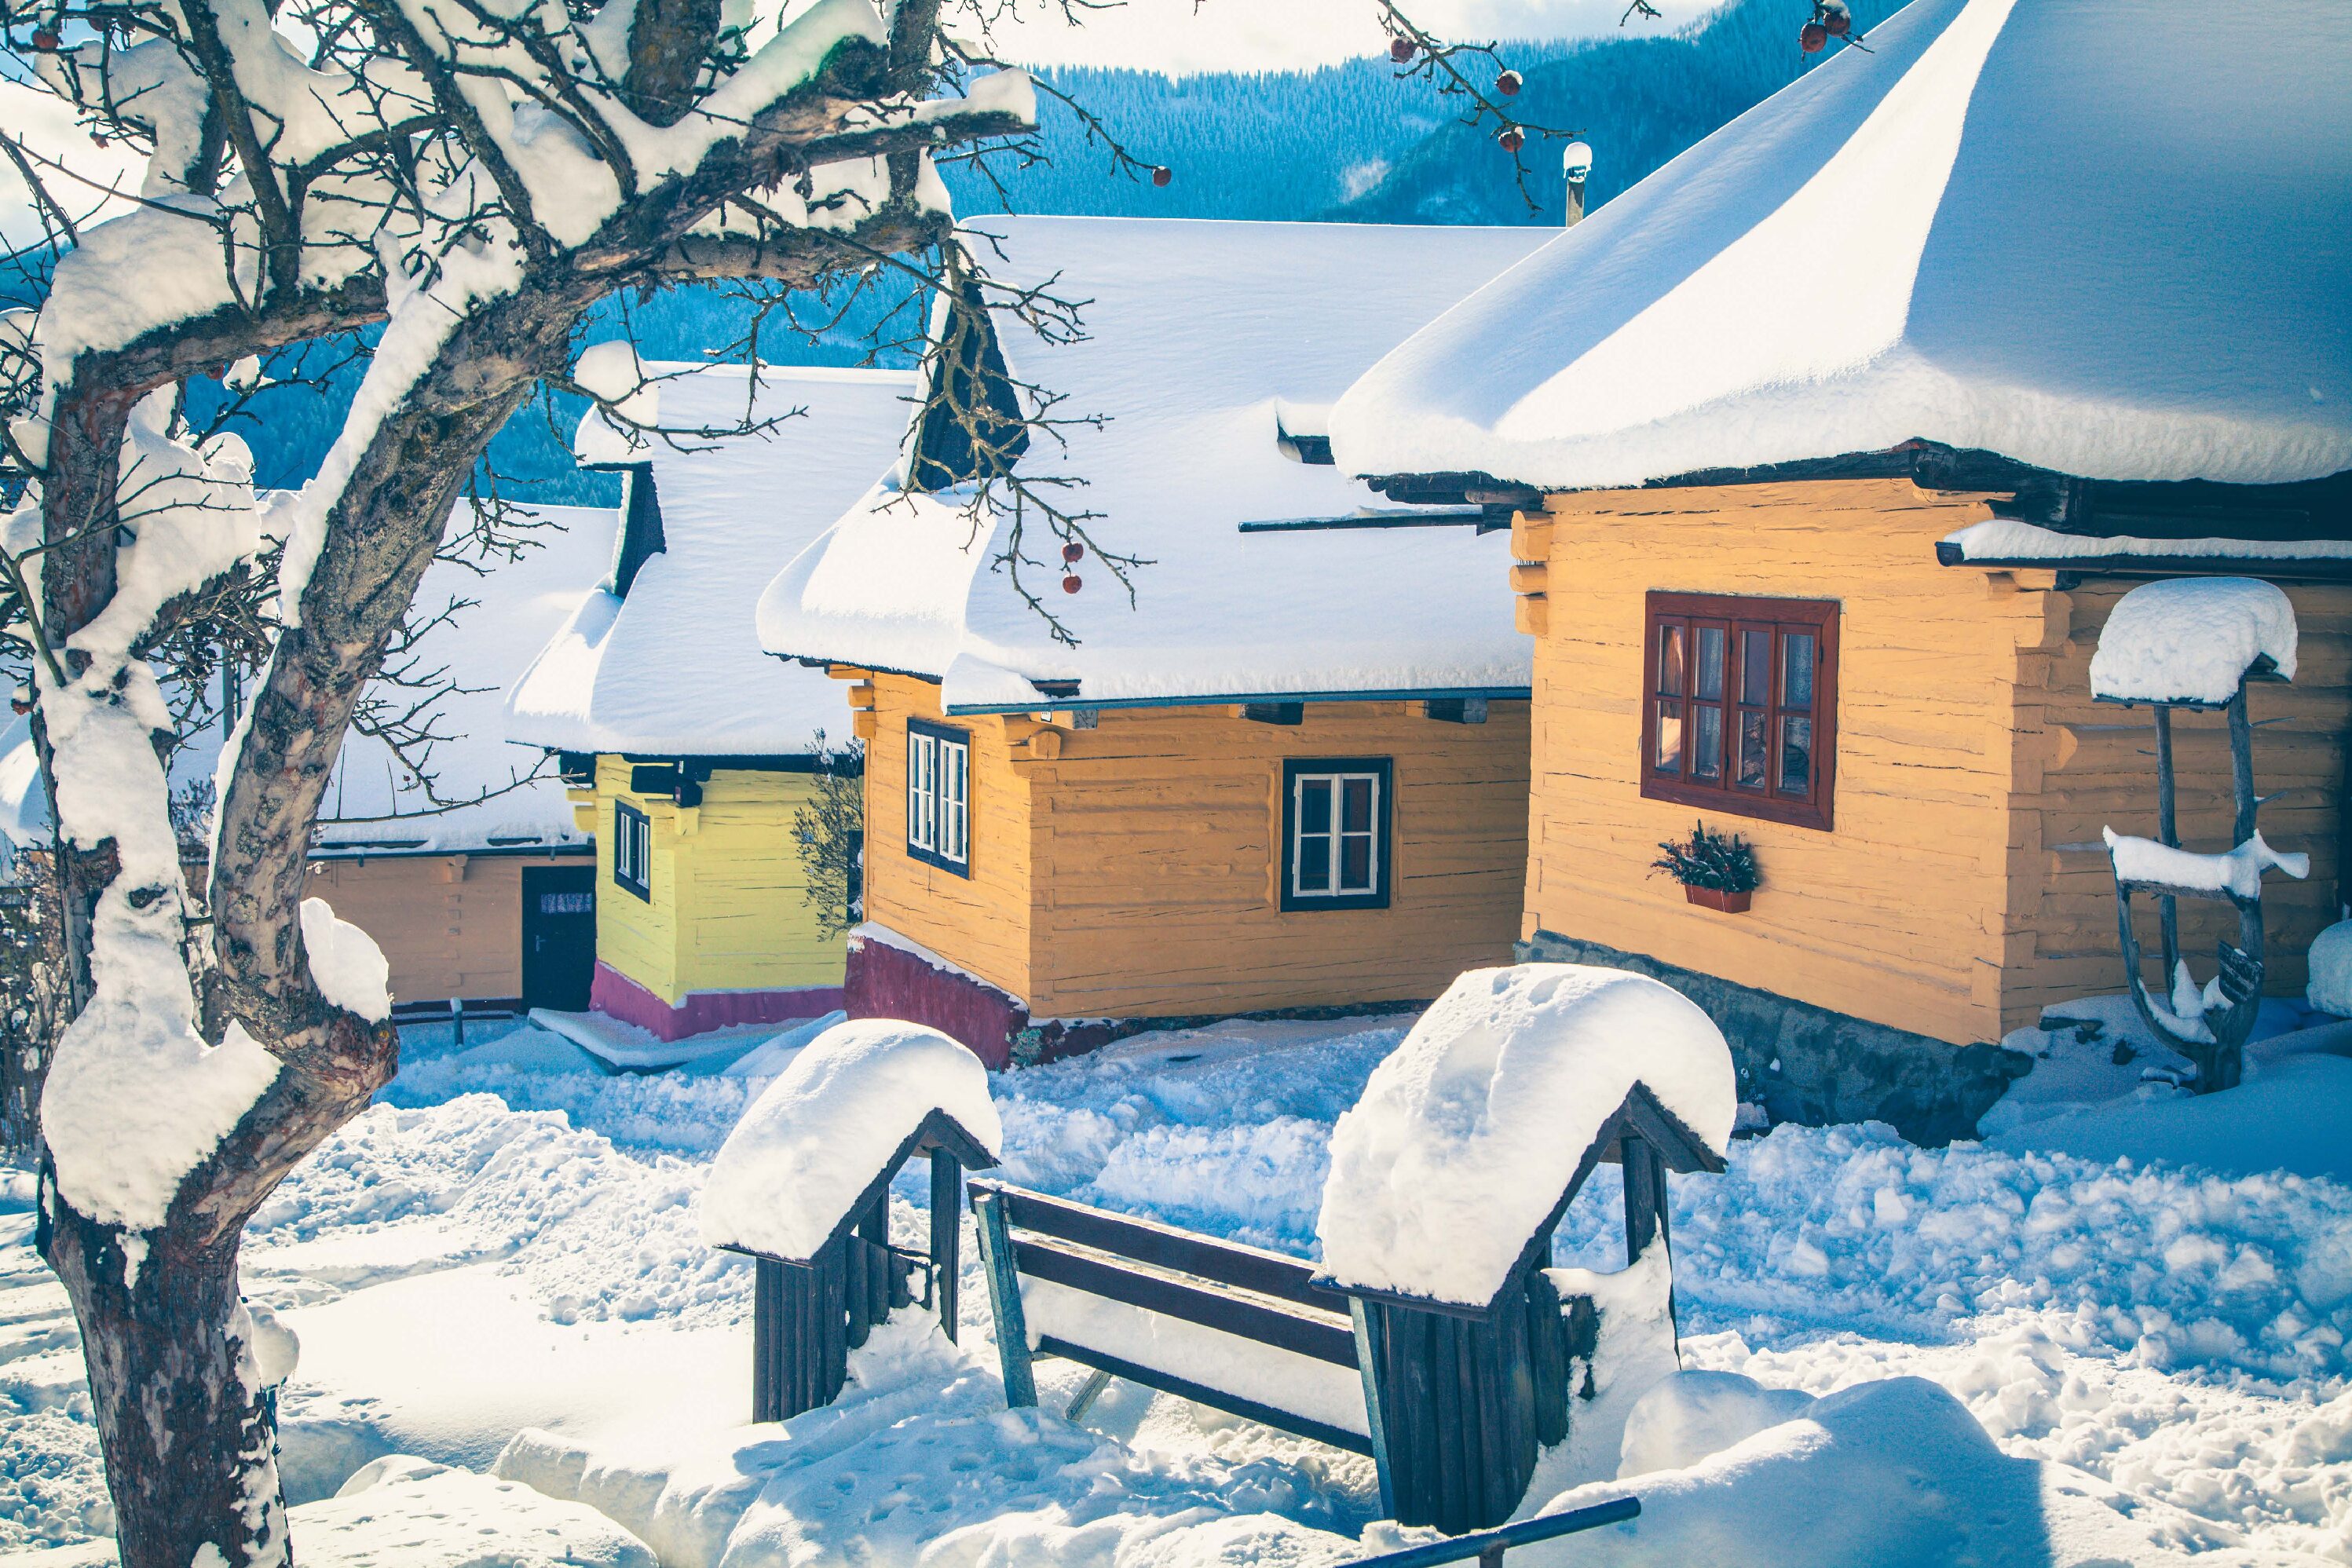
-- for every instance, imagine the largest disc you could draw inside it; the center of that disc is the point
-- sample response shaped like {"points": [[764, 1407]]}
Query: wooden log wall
{"points": [[2084, 765], [1964, 886], [450, 926], [729, 910], [1896, 915], [1131, 869]]}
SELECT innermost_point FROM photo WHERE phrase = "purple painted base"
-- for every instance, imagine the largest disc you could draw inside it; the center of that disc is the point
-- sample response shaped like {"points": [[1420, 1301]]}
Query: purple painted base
{"points": [[886, 982], [616, 995]]}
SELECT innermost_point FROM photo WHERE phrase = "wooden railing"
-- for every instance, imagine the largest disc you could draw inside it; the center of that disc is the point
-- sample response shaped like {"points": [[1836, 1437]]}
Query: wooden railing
{"points": [[1488, 1545]]}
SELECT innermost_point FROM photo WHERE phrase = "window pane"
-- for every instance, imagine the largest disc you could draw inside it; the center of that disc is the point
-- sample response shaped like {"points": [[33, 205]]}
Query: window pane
{"points": [[1797, 667], [1315, 805], [1710, 674], [1356, 805], [1355, 864], [1751, 751], [1796, 754], [1314, 864], [1670, 737], [1707, 743], [1755, 666], [1670, 661]]}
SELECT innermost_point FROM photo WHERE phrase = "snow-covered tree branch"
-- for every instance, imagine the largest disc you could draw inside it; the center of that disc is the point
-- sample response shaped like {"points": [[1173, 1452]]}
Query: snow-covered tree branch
{"points": [[469, 178]]}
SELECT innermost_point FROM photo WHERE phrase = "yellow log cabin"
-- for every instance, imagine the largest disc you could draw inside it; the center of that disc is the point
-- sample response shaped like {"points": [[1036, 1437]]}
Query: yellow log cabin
{"points": [[1830, 454], [1290, 775], [697, 762]]}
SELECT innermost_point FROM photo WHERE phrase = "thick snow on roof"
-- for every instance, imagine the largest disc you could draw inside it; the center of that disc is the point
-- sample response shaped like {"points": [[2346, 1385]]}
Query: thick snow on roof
{"points": [[818, 1136], [2192, 639], [677, 667], [1204, 341], [1471, 1130], [515, 607], [2103, 237], [507, 609]]}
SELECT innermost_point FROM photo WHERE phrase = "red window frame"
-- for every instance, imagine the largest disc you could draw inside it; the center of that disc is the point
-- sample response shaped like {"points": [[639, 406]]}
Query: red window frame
{"points": [[1711, 709]]}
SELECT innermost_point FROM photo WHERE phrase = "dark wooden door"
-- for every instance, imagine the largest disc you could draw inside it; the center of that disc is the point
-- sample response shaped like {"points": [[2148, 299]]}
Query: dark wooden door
{"points": [[558, 935]]}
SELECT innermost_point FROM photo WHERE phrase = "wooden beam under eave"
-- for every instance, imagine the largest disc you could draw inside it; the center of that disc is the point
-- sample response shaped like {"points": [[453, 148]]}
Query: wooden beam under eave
{"points": [[848, 672], [1532, 614]]}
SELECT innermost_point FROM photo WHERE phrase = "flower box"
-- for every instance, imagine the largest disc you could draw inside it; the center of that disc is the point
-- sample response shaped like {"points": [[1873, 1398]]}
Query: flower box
{"points": [[1716, 898]]}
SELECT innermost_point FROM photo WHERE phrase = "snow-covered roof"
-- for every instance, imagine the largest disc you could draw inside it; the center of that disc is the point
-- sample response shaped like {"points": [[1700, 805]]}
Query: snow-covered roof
{"points": [[516, 606], [2007, 541], [674, 666], [508, 609], [1205, 342], [2192, 640], [2104, 238], [1470, 1131], [821, 1134]]}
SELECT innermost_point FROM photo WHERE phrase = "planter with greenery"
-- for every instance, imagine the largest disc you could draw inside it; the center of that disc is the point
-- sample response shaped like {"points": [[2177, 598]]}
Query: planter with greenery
{"points": [[1717, 870]]}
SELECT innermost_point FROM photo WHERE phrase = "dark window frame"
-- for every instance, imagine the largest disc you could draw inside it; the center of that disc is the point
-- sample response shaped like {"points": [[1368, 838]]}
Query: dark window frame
{"points": [[1736, 616], [1384, 840], [632, 824], [930, 855]]}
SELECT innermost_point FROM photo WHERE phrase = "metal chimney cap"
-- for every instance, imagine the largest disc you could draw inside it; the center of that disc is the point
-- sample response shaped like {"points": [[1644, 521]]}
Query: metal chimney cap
{"points": [[1576, 160]]}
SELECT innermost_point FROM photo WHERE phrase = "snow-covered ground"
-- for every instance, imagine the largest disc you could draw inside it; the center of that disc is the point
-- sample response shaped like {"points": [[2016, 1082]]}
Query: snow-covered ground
{"points": [[2153, 1353]]}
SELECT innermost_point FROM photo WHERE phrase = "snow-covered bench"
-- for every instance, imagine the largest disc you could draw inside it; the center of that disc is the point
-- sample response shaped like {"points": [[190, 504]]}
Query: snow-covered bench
{"points": [[803, 1185], [1236, 1328], [1433, 1338]]}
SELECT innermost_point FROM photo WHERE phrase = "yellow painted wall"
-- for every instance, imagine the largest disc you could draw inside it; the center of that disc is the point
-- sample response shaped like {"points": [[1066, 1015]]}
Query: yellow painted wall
{"points": [[981, 922], [450, 926], [1131, 870], [727, 911], [1947, 899]]}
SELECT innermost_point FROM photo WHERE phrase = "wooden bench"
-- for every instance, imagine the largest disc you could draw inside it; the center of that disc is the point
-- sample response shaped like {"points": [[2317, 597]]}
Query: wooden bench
{"points": [[1236, 1328]]}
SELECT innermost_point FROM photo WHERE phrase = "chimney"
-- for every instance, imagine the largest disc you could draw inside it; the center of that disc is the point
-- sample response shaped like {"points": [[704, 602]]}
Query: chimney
{"points": [[1576, 163]]}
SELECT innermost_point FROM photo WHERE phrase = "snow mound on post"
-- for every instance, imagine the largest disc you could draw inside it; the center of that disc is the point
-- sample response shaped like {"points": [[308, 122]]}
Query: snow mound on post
{"points": [[2191, 639], [822, 1131], [1470, 1131]]}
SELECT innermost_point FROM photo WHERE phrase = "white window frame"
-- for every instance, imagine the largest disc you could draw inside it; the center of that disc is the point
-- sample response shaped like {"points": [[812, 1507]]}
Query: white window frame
{"points": [[938, 796], [633, 851], [1372, 892]]}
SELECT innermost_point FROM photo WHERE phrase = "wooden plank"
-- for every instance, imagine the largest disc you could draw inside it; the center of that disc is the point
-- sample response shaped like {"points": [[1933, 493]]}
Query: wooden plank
{"points": [[947, 1237], [1148, 1240], [1004, 1298], [1368, 1362], [1202, 1394], [1317, 1335], [767, 1306]]}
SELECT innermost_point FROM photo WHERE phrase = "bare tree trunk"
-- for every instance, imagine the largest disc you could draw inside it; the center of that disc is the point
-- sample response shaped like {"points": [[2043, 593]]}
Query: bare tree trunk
{"points": [[169, 1399]]}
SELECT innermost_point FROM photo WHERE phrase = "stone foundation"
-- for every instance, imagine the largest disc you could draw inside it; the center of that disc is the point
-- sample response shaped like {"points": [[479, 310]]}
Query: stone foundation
{"points": [[1805, 1063]]}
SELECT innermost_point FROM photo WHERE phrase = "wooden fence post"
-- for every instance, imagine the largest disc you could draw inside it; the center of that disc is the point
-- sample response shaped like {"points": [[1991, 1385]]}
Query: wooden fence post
{"points": [[947, 1237], [1005, 1298], [1368, 1361]]}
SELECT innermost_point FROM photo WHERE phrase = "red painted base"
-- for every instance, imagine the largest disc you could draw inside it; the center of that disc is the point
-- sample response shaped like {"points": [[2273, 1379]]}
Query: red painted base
{"points": [[617, 996], [886, 982]]}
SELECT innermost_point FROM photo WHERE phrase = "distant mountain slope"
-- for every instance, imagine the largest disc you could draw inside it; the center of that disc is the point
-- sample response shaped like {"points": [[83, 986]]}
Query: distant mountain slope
{"points": [[1353, 142], [1639, 100]]}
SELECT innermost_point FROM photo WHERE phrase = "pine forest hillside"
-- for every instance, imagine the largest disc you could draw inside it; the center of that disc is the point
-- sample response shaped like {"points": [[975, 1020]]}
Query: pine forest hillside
{"points": [[1353, 142]]}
